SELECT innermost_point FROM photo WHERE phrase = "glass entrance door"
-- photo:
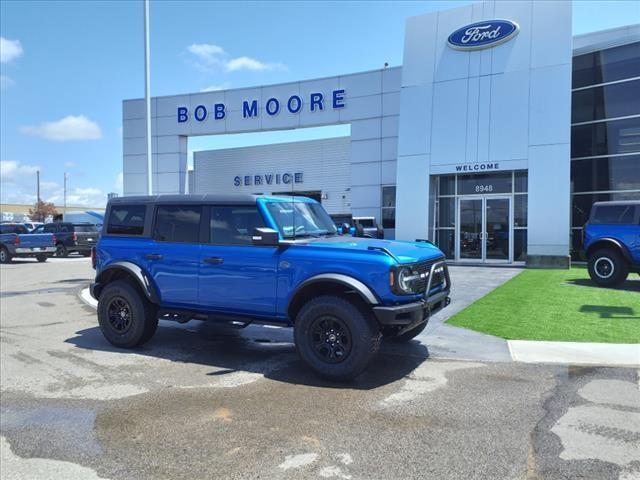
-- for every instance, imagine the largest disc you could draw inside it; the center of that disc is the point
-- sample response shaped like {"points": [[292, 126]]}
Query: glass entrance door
{"points": [[470, 213], [484, 229], [497, 229]]}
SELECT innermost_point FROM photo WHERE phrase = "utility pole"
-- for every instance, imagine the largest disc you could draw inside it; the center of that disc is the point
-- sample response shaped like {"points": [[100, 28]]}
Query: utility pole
{"points": [[38, 206], [147, 99]]}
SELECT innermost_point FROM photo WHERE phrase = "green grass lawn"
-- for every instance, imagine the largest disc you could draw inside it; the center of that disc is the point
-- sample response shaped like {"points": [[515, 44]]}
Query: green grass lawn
{"points": [[560, 305]]}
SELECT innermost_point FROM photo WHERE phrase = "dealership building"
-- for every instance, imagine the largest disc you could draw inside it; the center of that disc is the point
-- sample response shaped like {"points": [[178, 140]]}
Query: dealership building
{"points": [[493, 139]]}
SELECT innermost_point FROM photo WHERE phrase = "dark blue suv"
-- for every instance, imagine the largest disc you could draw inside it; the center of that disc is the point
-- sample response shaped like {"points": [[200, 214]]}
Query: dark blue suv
{"points": [[270, 260], [612, 241]]}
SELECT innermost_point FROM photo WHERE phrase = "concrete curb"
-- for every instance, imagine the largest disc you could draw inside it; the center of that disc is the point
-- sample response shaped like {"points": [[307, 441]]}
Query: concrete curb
{"points": [[583, 353], [86, 297]]}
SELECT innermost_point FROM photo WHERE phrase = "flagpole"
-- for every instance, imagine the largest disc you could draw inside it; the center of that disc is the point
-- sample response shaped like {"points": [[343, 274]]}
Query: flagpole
{"points": [[147, 98]]}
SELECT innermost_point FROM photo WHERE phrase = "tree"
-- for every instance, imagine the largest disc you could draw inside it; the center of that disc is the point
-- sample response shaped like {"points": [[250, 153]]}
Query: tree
{"points": [[42, 210]]}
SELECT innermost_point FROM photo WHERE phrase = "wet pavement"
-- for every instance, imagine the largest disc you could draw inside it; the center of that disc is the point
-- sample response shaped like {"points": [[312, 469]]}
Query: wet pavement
{"points": [[201, 401]]}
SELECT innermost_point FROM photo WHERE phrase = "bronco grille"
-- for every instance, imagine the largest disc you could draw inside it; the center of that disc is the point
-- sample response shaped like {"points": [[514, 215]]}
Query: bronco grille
{"points": [[424, 269]]}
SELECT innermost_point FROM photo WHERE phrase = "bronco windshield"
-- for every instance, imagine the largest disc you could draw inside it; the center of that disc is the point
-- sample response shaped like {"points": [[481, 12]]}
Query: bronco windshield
{"points": [[297, 219]]}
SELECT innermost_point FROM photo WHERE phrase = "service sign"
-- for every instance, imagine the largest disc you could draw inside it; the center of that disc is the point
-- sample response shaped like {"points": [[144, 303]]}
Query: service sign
{"points": [[483, 34]]}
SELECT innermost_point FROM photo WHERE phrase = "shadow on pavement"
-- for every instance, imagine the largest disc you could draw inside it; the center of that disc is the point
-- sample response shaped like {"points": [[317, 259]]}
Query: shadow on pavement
{"points": [[629, 285], [256, 349]]}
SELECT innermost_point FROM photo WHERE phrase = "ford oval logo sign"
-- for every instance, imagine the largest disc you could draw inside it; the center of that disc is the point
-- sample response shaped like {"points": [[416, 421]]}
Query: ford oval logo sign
{"points": [[483, 34]]}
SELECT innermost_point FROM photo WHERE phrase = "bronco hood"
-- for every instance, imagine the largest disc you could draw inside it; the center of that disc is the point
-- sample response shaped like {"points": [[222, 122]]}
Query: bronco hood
{"points": [[405, 252]]}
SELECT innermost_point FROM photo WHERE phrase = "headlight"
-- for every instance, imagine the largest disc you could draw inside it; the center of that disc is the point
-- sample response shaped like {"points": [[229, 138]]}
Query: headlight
{"points": [[406, 280]]}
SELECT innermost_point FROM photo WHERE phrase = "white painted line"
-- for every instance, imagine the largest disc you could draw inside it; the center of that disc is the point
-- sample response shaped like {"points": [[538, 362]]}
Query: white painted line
{"points": [[86, 297], [527, 351]]}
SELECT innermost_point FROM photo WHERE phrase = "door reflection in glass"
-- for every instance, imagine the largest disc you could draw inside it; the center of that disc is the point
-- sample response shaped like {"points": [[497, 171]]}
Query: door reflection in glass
{"points": [[497, 228], [470, 229]]}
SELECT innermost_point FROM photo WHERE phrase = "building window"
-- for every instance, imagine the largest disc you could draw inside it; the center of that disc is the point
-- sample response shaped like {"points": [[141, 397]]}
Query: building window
{"points": [[605, 132], [389, 206]]}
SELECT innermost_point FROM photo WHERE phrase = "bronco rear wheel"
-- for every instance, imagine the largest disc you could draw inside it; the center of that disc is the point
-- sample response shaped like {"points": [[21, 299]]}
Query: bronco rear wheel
{"points": [[126, 319], [608, 268], [336, 338]]}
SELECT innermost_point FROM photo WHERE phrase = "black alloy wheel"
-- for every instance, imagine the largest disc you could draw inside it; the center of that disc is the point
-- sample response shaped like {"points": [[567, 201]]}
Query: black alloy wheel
{"points": [[119, 314], [330, 339]]}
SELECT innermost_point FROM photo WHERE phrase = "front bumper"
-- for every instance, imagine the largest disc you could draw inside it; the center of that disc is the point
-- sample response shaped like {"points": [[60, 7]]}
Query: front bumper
{"points": [[409, 315], [412, 313], [35, 250]]}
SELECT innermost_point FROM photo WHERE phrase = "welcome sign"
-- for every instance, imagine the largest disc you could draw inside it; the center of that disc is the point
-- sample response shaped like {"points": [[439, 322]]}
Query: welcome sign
{"points": [[483, 34]]}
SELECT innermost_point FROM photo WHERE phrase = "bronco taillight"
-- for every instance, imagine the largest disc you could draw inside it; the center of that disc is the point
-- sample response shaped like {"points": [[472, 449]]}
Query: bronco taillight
{"points": [[74, 237], [55, 240], [16, 241], [94, 258]]}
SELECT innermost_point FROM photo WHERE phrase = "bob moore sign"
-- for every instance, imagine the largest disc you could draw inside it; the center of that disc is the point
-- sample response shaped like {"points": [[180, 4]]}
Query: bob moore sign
{"points": [[316, 102], [483, 34]]}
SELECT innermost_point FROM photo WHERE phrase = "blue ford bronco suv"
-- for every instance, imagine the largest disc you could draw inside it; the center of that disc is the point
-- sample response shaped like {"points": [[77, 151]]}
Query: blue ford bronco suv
{"points": [[269, 260], [612, 241]]}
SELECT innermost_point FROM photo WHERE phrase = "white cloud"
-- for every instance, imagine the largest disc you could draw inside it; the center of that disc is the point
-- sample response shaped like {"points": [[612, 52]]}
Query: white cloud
{"points": [[17, 182], [248, 63], [215, 88], [10, 50], [10, 170], [6, 82], [209, 56], [67, 128], [70, 164], [88, 197]]}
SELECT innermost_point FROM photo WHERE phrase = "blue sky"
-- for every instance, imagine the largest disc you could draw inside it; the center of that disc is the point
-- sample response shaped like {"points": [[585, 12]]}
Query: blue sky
{"points": [[67, 66]]}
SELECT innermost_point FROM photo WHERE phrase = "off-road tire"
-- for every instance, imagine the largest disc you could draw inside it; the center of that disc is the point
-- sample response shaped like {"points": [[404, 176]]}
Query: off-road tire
{"points": [[390, 334], [42, 258], [5, 256], [143, 320], [607, 267], [363, 331], [61, 251]]}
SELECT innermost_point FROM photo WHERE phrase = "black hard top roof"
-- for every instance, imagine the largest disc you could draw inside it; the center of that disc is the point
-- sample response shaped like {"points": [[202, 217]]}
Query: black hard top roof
{"points": [[184, 199]]}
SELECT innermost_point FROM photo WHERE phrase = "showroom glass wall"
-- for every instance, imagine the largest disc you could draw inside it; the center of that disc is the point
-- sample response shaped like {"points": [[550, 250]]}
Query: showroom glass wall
{"points": [[451, 190], [605, 132]]}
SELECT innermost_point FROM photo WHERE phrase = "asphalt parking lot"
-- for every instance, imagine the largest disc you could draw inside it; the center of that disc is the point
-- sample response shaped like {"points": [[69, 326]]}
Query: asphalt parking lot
{"points": [[200, 401]]}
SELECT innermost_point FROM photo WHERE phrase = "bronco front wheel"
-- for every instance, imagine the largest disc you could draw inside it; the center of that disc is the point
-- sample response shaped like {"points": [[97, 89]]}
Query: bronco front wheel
{"points": [[336, 338]]}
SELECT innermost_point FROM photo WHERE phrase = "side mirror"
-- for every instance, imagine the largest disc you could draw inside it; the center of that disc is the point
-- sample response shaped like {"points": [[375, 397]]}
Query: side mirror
{"points": [[359, 231], [265, 237], [379, 232]]}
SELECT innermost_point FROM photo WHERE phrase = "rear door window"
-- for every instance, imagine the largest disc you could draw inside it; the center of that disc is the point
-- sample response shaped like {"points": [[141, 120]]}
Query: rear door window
{"points": [[178, 223], [614, 214], [51, 228], [126, 219]]}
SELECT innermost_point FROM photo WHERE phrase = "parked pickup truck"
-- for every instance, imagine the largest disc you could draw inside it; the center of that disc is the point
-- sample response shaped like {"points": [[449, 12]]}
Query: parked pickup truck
{"points": [[270, 260], [612, 241], [72, 237], [16, 241]]}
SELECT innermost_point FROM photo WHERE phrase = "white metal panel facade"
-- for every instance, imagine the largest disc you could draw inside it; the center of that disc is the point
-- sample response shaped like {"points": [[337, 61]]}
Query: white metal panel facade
{"points": [[324, 165]]}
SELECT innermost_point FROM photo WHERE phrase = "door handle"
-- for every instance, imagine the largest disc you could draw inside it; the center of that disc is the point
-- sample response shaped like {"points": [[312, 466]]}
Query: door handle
{"points": [[213, 260], [153, 256]]}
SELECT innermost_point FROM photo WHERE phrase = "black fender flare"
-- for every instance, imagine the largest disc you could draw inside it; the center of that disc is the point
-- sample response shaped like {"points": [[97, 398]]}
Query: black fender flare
{"points": [[345, 280], [144, 282], [609, 242]]}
